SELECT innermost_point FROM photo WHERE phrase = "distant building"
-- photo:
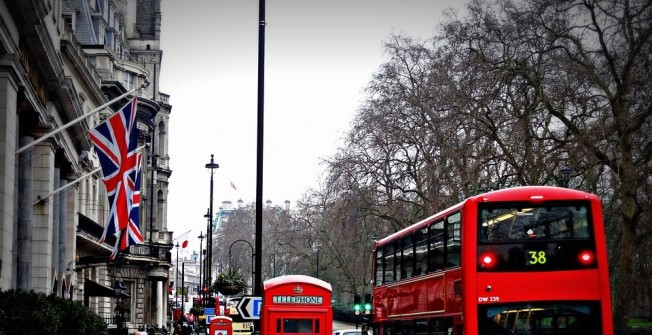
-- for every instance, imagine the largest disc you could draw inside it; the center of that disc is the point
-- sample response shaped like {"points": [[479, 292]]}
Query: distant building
{"points": [[61, 60], [224, 212]]}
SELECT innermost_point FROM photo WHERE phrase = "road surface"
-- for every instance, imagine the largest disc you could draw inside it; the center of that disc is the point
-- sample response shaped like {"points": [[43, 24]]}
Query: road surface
{"points": [[341, 325]]}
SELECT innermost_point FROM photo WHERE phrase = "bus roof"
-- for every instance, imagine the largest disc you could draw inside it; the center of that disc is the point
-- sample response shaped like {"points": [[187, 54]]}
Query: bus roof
{"points": [[534, 193]]}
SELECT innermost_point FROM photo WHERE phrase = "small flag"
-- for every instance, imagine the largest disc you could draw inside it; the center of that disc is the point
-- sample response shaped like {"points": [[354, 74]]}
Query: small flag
{"points": [[233, 185]]}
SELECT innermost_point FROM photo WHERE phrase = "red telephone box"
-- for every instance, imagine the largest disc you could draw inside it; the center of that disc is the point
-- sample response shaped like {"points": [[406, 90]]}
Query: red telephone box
{"points": [[220, 325], [296, 304], [176, 313]]}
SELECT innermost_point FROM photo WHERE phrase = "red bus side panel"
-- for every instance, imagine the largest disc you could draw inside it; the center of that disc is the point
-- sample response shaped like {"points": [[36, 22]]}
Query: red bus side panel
{"points": [[425, 297]]}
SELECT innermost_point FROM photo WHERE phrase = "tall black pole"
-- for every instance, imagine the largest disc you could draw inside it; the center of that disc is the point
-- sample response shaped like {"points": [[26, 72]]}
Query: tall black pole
{"points": [[259, 165], [206, 269], [176, 283], [183, 283], [209, 234], [206, 263], [201, 283]]}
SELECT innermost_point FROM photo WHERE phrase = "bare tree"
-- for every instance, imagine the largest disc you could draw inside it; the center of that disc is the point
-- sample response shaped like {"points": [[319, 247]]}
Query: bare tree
{"points": [[507, 96], [344, 240], [586, 67], [238, 226]]}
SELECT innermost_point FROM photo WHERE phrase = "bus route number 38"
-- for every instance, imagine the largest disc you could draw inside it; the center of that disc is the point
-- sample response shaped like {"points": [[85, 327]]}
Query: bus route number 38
{"points": [[536, 257]]}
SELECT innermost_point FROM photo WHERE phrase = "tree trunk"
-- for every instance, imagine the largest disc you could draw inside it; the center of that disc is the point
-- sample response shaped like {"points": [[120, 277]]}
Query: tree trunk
{"points": [[624, 283]]}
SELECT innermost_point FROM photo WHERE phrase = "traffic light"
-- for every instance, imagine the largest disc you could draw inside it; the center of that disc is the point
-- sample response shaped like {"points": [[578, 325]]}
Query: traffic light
{"points": [[357, 304], [367, 304]]}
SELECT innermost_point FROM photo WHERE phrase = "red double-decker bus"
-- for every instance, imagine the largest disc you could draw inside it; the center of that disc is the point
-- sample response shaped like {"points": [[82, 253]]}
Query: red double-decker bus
{"points": [[526, 260]]}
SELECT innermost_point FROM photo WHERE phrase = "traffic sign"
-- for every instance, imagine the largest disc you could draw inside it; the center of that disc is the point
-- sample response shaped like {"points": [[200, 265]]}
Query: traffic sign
{"points": [[250, 307]]}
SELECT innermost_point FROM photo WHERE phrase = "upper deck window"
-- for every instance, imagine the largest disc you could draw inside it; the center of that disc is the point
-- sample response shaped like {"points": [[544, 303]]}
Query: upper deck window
{"points": [[518, 223], [429, 249], [550, 237]]}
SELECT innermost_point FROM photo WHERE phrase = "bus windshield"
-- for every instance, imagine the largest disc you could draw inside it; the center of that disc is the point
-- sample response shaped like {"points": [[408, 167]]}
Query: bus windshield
{"points": [[522, 223], [547, 237]]}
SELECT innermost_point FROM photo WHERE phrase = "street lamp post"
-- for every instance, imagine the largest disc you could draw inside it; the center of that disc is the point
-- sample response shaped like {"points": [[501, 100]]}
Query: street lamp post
{"points": [[201, 284], [205, 293], [318, 247], [274, 252], [183, 284], [565, 172], [253, 271], [207, 264], [209, 233], [176, 280], [257, 283]]}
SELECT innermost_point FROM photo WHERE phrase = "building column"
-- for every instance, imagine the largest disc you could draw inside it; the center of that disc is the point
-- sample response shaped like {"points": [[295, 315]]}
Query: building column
{"points": [[66, 260], [8, 145], [160, 297], [24, 223], [44, 215], [70, 206], [58, 278]]}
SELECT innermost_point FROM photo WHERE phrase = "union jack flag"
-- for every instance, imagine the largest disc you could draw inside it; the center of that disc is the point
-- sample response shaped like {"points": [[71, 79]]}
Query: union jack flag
{"points": [[116, 143], [131, 235]]}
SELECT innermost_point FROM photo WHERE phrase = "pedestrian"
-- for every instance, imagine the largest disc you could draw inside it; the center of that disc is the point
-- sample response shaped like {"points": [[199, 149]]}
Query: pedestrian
{"points": [[187, 329]]}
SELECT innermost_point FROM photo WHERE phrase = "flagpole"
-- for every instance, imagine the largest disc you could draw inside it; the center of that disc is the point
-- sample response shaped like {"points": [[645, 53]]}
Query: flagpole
{"points": [[257, 289], [74, 182], [71, 123]]}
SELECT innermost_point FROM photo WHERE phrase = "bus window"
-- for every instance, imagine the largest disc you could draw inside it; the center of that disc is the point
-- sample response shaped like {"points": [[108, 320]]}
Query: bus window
{"points": [[389, 264], [453, 244], [436, 257], [421, 327], [407, 262], [514, 223], [421, 251], [397, 260], [379, 266], [440, 326], [537, 238], [540, 318], [404, 327]]}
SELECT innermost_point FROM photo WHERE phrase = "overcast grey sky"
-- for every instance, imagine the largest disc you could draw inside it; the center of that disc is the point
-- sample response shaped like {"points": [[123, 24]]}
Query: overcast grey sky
{"points": [[319, 56]]}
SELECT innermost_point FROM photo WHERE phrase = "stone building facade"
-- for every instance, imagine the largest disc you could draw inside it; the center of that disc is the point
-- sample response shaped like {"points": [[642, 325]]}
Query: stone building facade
{"points": [[60, 61]]}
